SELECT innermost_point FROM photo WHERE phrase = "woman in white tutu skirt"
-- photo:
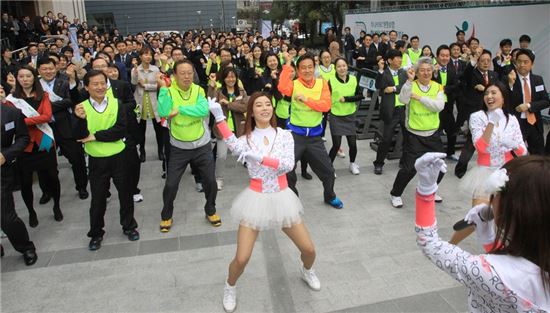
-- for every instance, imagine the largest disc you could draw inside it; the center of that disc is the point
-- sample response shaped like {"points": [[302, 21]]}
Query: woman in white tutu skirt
{"points": [[497, 138], [268, 202]]}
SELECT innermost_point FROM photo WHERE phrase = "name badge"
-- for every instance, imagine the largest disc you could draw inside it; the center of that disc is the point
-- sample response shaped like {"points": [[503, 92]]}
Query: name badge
{"points": [[539, 88], [10, 125]]}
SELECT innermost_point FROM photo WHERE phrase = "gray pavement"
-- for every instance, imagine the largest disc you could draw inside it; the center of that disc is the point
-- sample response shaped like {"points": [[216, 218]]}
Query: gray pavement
{"points": [[367, 258]]}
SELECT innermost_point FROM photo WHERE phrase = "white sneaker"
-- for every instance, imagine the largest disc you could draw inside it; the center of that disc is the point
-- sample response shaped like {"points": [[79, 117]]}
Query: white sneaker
{"points": [[354, 168], [311, 279], [324, 139], [198, 187], [438, 198], [229, 298], [219, 182], [138, 197], [396, 202], [341, 153]]}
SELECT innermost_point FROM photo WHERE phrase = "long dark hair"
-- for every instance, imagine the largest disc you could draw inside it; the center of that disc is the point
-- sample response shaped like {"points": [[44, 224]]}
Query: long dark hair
{"points": [[505, 97], [224, 73], [250, 123], [36, 87], [522, 215]]}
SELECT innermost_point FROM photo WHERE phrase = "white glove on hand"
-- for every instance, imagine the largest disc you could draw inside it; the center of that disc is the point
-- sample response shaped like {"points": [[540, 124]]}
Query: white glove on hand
{"points": [[216, 109], [428, 167], [485, 231], [495, 116], [509, 143], [250, 157]]}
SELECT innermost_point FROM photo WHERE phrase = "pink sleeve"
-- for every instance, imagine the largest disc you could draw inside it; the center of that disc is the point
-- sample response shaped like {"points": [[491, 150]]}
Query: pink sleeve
{"points": [[224, 129], [481, 145], [271, 162], [425, 210]]}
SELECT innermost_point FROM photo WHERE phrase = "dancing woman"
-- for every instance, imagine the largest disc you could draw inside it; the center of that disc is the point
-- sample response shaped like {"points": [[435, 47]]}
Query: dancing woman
{"points": [[267, 202]]}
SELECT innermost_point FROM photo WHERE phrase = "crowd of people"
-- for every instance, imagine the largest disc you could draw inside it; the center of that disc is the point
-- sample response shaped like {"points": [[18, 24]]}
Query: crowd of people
{"points": [[269, 101]]}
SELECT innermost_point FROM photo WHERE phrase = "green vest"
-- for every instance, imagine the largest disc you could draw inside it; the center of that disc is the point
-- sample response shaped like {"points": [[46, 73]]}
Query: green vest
{"points": [[340, 90], [414, 55], [327, 75], [396, 82], [405, 60], [300, 114], [281, 108], [444, 81], [101, 121], [420, 118], [182, 127]]}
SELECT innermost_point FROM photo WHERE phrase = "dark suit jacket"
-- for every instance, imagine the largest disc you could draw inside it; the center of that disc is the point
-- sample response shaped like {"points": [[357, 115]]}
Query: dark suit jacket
{"points": [[127, 64], [388, 99], [453, 83], [539, 99], [15, 135], [62, 127], [473, 99]]}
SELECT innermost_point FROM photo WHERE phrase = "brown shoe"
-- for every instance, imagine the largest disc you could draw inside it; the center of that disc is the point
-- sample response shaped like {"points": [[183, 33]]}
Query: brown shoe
{"points": [[214, 219]]}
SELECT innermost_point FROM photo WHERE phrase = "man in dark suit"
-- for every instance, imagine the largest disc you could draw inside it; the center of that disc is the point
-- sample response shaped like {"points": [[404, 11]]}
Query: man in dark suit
{"points": [[446, 75], [15, 138], [124, 57], [377, 49], [58, 90], [362, 55], [502, 63], [32, 57], [200, 60], [476, 78], [529, 98], [392, 112]]}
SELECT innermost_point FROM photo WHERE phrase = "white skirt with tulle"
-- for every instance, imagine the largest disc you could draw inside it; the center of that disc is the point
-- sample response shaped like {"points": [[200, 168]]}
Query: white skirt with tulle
{"points": [[473, 183]]}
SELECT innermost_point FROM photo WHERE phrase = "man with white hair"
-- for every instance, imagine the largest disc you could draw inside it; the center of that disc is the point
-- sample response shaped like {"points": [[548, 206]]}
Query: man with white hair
{"points": [[424, 99]]}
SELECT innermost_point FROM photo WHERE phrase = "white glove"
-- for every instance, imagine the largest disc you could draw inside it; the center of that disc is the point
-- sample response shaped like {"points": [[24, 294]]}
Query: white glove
{"points": [[216, 109], [250, 157], [428, 167], [485, 231], [495, 116], [509, 143]]}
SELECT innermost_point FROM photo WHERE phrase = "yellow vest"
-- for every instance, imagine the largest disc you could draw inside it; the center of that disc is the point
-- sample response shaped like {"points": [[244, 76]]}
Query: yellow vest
{"points": [[340, 90], [97, 121], [396, 82], [300, 114], [414, 56], [282, 108], [327, 75], [420, 118], [182, 127]]}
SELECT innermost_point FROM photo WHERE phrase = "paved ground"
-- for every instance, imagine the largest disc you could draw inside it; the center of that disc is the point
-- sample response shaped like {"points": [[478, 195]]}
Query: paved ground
{"points": [[367, 261]]}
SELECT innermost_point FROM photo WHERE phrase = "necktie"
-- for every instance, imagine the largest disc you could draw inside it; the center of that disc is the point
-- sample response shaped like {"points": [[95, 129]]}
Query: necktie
{"points": [[531, 118], [124, 59], [456, 66], [485, 79]]}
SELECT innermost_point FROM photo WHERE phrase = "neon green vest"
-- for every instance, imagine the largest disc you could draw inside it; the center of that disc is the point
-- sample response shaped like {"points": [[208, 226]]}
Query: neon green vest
{"points": [[101, 121], [414, 55], [444, 81], [420, 118], [282, 108], [405, 60], [340, 90], [182, 127], [396, 82], [327, 75], [300, 114]]}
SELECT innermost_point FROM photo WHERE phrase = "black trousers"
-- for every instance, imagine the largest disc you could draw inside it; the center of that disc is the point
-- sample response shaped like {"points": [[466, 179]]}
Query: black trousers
{"points": [[313, 149], [74, 153], [398, 118], [203, 160], [166, 142], [12, 225], [449, 125], [533, 136], [101, 172], [45, 164], [414, 146], [337, 142], [133, 168], [158, 134], [466, 155]]}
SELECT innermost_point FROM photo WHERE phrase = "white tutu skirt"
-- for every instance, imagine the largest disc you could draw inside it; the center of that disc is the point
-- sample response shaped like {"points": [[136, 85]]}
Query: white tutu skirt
{"points": [[261, 211], [473, 183]]}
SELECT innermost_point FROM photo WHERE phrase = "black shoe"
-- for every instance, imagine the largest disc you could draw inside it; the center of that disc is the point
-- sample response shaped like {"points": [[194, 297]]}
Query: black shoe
{"points": [[33, 220], [133, 234], [45, 198], [83, 194], [163, 175], [57, 214], [307, 176], [142, 157], [95, 243], [1, 251], [30, 257], [378, 170]]}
